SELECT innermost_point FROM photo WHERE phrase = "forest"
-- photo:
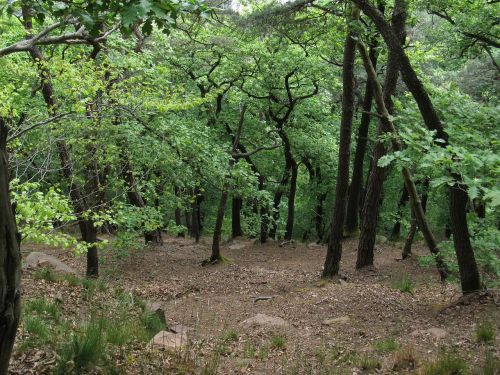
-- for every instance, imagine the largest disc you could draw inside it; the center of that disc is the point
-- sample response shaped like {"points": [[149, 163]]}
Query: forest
{"points": [[249, 187]]}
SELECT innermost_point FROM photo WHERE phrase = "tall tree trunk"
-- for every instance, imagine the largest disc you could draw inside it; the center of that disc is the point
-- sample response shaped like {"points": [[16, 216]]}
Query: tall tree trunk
{"points": [[371, 202], [465, 254], [334, 252], [291, 202], [195, 215], [264, 215], [178, 214], [396, 230], [87, 228], [416, 204], [215, 257], [10, 261], [356, 186], [236, 230]]}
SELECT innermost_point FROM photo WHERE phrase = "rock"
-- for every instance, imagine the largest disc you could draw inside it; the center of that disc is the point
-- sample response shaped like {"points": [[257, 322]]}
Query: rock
{"points": [[435, 332], [265, 320], [157, 309], [237, 246], [179, 328], [168, 340], [380, 240], [339, 320], [37, 259]]}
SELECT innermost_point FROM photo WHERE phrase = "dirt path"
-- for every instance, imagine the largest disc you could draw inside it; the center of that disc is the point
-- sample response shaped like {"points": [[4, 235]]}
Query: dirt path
{"points": [[364, 322]]}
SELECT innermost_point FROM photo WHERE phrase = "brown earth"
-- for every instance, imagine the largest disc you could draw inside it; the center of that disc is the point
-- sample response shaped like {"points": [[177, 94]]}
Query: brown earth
{"points": [[333, 326]]}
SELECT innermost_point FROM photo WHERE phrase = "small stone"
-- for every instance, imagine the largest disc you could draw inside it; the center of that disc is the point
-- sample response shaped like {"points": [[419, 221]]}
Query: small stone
{"points": [[339, 320], [168, 340], [435, 332]]}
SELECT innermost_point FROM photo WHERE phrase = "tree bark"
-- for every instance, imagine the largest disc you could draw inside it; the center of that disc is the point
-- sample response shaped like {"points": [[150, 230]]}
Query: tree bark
{"points": [[291, 202], [371, 201], [396, 230], [236, 230], [334, 252], [414, 224], [465, 254], [416, 204], [135, 198], [356, 186], [10, 261], [215, 257], [178, 214]]}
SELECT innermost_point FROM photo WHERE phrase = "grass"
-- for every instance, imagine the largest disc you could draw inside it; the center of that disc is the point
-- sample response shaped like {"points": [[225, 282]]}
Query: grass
{"points": [[405, 285], [36, 326], [83, 350], [445, 364], [42, 307], [152, 322], [404, 359], [485, 332], [491, 365], [385, 346], [277, 341], [368, 363], [231, 336], [45, 273]]}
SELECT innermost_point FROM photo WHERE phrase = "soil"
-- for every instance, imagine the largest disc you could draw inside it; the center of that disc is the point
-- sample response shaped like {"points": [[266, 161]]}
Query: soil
{"points": [[337, 325]]}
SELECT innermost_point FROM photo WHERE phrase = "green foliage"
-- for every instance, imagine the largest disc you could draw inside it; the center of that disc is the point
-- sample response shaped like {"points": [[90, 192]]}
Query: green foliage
{"points": [[43, 307], [45, 273], [36, 326], [277, 341]]}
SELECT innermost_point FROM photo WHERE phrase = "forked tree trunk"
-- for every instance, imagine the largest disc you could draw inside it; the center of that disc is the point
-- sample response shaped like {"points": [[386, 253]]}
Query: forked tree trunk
{"points": [[216, 256], [374, 188], [10, 261], [356, 185], [469, 272], [236, 230], [416, 204], [414, 224], [334, 252]]}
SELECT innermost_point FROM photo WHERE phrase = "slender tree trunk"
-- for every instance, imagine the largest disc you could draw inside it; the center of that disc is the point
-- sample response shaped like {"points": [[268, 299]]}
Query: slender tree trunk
{"points": [[195, 215], [371, 203], [236, 230], [215, 257], [264, 215], [178, 214], [291, 202], [414, 224], [135, 198], [356, 186], [416, 204], [396, 230], [465, 254], [10, 260], [334, 252]]}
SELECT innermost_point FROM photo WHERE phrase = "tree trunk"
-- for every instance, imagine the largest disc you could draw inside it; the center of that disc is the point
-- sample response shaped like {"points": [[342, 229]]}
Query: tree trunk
{"points": [[371, 202], [356, 186], [396, 230], [264, 215], [237, 204], [215, 257], [416, 204], [291, 202], [469, 273], [10, 261], [134, 197], [334, 252], [463, 248], [413, 227]]}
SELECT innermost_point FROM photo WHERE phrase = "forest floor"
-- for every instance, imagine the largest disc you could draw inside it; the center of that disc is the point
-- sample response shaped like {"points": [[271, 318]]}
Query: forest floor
{"points": [[394, 318]]}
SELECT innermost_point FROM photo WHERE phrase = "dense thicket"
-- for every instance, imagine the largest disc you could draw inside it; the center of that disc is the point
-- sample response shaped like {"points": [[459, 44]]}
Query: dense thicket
{"points": [[147, 118]]}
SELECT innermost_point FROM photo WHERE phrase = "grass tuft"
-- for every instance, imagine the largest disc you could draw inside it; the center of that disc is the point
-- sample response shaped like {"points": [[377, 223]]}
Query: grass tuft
{"points": [[278, 341], [45, 273], [446, 364], [36, 326], [386, 346], [485, 332], [405, 285]]}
